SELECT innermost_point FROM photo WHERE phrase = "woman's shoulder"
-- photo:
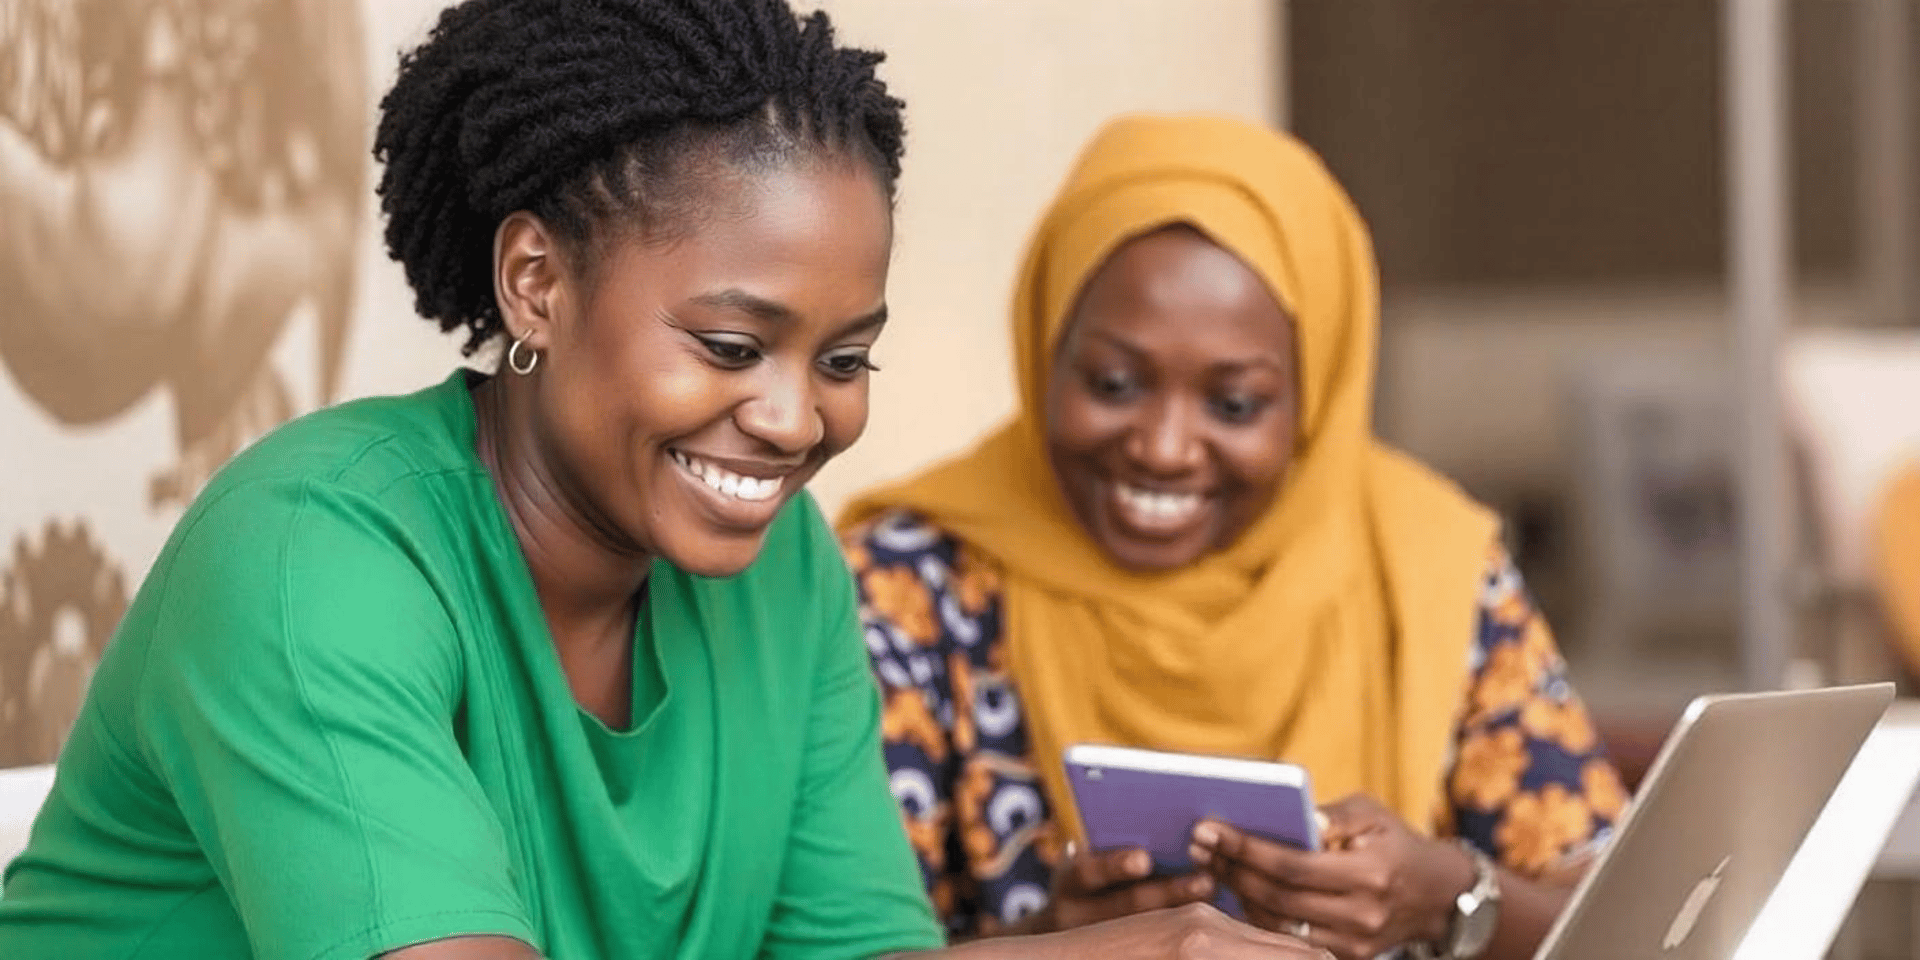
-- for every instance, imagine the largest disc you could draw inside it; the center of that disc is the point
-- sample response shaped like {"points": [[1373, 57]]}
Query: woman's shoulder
{"points": [[281, 571], [919, 583], [1514, 658], [317, 514], [364, 444], [1505, 606], [398, 471]]}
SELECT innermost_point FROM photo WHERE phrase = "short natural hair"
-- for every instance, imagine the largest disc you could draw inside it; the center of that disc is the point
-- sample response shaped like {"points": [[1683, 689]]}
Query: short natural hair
{"points": [[591, 113]]}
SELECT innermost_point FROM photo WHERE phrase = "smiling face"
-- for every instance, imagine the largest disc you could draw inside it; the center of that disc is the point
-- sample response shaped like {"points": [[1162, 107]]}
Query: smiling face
{"points": [[688, 389], [1171, 407]]}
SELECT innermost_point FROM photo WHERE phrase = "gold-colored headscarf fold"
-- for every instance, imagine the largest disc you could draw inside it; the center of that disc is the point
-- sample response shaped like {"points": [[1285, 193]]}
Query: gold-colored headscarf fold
{"points": [[1334, 632]]}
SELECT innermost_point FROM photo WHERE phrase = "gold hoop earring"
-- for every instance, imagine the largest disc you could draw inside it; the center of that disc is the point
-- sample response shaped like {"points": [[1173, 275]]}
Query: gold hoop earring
{"points": [[513, 357]]}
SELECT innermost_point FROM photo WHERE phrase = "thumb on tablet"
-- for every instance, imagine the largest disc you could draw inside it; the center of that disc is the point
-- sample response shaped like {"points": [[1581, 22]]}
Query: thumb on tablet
{"points": [[1091, 871]]}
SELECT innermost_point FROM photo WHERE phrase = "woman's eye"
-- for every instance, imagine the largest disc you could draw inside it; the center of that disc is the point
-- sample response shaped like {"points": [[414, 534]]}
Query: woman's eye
{"points": [[1238, 409], [1111, 385], [846, 366], [731, 353]]}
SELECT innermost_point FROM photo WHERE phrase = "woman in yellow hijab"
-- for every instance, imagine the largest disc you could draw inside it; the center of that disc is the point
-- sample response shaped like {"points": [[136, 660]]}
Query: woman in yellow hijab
{"points": [[1189, 539]]}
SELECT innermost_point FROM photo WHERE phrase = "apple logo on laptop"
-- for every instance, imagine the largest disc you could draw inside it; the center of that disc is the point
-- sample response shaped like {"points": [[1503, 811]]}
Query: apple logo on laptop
{"points": [[1696, 904]]}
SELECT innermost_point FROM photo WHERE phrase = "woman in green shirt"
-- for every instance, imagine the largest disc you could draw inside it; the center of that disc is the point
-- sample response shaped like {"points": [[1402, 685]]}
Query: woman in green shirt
{"points": [[559, 662]]}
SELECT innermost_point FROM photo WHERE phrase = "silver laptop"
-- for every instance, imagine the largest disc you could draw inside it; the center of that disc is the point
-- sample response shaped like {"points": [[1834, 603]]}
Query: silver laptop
{"points": [[1723, 809]]}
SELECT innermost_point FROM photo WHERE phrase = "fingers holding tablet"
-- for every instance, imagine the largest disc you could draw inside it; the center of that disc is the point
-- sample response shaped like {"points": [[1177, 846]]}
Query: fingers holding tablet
{"points": [[1279, 887], [1089, 871], [1093, 886], [1379, 885]]}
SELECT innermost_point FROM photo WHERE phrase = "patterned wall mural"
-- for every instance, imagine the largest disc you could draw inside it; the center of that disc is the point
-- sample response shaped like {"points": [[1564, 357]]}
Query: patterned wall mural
{"points": [[179, 181]]}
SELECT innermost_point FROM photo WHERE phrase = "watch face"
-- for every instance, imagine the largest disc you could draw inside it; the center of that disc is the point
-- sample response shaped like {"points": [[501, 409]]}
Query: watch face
{"points": [[1477, 912], [1475, 930]]}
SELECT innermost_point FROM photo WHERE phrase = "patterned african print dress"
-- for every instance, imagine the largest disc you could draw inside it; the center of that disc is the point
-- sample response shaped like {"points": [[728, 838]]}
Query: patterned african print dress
{"points": [[1527, 782]]}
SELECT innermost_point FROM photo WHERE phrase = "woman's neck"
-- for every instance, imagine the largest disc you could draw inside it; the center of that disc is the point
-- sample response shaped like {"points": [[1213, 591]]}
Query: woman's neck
{"points": [[586, 581]]}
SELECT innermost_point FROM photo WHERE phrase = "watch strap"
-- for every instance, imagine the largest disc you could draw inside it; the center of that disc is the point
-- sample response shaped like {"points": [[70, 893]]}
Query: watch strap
{"points": [[1482, 897]]}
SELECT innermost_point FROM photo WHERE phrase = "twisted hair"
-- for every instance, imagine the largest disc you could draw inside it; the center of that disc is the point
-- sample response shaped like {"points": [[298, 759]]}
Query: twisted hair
{"points": [[592, 112]]}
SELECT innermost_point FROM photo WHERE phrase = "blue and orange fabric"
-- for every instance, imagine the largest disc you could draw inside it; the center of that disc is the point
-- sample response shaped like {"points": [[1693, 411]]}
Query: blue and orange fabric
{"points": [[1528, 780]]}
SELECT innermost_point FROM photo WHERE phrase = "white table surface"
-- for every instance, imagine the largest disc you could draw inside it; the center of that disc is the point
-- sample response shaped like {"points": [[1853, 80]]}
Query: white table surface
{"points": [[1900, 859], [1871, 826]]}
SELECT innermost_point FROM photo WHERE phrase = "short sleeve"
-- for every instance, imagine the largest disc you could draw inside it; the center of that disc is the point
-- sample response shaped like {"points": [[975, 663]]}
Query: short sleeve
{"points": [[1531, 783], [953, 724], [298, 702], [848, 887], [907, 655]]}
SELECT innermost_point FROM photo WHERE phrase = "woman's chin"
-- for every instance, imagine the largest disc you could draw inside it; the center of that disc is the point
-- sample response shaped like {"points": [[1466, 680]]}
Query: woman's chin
{"points": [[1149, 556], [715, 557]]}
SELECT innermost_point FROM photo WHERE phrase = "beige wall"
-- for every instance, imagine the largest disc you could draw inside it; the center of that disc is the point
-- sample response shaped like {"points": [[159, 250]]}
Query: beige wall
{"points": [[1000, 95], [191, 243]]}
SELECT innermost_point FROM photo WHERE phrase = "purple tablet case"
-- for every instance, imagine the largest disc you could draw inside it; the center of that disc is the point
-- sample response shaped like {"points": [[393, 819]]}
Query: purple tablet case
{"points": [[1155, 810]]}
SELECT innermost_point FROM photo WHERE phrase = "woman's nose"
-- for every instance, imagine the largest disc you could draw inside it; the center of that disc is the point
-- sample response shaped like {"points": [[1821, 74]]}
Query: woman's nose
{"points": [[785, 415], [1166, 441]]}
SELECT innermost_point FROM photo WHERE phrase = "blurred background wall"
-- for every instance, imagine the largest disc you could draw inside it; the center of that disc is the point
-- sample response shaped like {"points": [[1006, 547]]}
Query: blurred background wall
{"points": [[1546, 185], [1548, 189]]}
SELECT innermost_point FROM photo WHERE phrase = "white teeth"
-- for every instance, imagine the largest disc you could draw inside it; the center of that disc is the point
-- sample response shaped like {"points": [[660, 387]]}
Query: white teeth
{"points": [[1162, 507], [727, 482]]}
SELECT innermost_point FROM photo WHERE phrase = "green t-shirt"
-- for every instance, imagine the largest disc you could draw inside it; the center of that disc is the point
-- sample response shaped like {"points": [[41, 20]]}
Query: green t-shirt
{"points": [[333, 724]]}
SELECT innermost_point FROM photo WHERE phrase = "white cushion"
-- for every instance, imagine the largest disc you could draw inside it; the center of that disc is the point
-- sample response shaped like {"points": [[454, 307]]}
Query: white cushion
{"points": [[22, 791], [1853, 403]]}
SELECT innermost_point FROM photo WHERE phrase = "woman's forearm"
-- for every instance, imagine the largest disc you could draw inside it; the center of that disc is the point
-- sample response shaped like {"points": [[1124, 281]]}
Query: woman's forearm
{"points": [[1020, 947], [1528, 908]]}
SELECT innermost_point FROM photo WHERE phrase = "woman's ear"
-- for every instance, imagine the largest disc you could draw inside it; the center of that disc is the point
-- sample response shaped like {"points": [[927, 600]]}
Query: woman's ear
{"points": [[527, 276]]}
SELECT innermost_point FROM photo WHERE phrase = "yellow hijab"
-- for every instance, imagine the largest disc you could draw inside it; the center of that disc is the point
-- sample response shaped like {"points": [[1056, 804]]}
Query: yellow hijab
{"points": [[1333, 633]]}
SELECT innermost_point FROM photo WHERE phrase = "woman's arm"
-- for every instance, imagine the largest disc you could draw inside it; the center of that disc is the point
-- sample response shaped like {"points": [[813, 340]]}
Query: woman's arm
{"points": [[1379, 888], [1531, 784], [1528, 907], [1530, 788], [468, 948], [1196, 932], [1193, 932], [297, 702], [909, 655]]}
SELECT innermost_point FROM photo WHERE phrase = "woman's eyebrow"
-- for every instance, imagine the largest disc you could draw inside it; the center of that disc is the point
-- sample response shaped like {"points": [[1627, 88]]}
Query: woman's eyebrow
{"points": [[777, 313]]}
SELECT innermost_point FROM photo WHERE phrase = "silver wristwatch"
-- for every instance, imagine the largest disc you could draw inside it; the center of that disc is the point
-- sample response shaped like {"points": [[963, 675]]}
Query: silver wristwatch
{"points": [[1475, 914]]}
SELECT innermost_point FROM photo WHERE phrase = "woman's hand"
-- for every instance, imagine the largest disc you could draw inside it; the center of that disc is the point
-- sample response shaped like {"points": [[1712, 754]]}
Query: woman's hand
{"points": [[1194, 932], [1090, 887], [1377, 885]]}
